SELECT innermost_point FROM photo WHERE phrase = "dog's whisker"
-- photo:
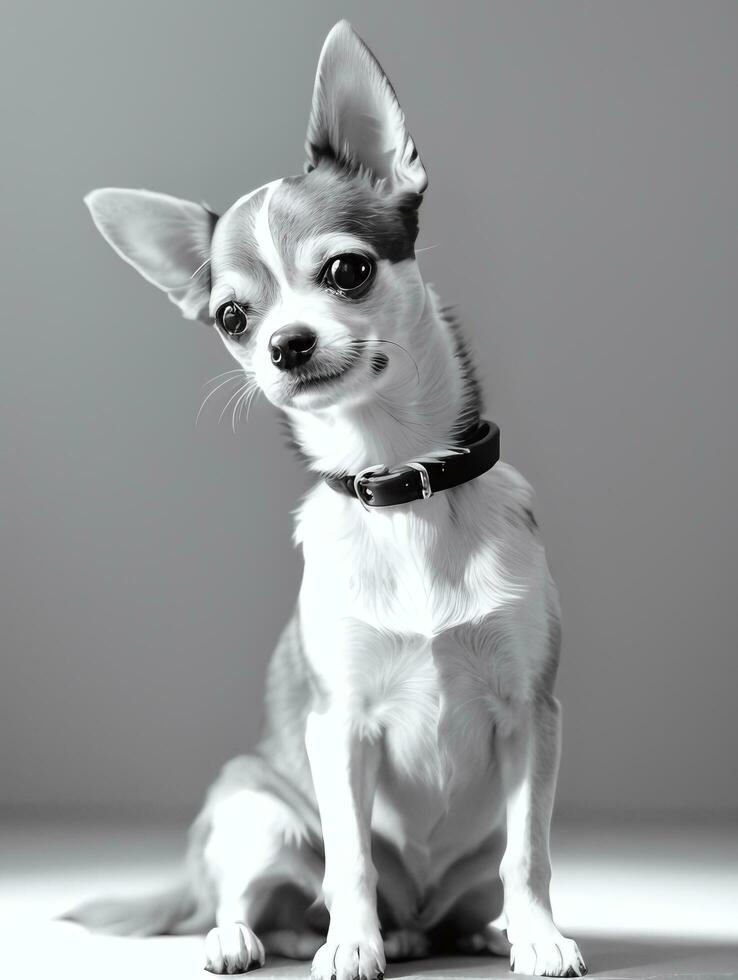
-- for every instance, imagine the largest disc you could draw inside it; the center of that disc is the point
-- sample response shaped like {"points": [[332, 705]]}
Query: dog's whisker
{"points": [[247, 392], [222, 375], [230, 400], [210, 395], [377, 340], [251, 399], [240, 406], [200, 267], [235, 409], [427, 248]]}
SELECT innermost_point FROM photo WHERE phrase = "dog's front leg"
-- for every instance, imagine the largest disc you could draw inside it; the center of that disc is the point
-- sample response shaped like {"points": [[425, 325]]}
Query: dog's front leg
{"points": [[529, 759], [344, 768]]}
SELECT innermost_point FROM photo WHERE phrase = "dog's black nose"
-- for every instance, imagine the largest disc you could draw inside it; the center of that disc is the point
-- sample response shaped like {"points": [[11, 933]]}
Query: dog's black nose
{"points": [[292, 346]]}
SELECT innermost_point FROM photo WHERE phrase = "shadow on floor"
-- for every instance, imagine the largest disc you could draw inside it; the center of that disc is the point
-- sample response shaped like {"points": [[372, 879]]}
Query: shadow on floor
{"points": [[606, 956], [654, 957]]}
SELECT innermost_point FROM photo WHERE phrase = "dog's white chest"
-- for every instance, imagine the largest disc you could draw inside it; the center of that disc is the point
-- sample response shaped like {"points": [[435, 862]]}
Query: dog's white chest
{"points": [[437, 788], [407, 570], [406, 618], [397, 585]]}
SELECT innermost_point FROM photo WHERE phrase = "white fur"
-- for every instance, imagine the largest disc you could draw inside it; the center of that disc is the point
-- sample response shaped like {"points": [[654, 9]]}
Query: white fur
{"points": [[411, 722], [267, 249]]}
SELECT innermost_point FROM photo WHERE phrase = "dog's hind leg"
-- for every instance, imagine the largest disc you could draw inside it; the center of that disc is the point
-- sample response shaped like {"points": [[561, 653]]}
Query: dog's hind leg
{"points": [[257, 841], [406, 944]]}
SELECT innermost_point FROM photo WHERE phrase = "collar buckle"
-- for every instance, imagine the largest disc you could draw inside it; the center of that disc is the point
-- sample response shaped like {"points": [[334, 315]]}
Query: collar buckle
{"points": [[425, 485], [378, 469]]}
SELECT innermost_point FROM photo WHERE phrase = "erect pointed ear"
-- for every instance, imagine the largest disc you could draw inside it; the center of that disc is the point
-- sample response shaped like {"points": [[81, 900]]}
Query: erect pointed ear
{"points": [[356, 118], [164, 238]]}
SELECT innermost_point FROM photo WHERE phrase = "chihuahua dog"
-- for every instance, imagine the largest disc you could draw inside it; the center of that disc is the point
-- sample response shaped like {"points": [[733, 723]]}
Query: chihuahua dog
{"points": [[400, 798]]}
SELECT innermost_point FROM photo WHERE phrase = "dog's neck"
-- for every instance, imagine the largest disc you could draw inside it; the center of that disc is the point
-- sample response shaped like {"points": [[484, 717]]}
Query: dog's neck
{"points": [[420, 415]]}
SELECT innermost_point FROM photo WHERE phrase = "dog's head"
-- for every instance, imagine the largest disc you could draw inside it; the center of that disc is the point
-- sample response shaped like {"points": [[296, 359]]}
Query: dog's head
{"points": [[310, 281]]}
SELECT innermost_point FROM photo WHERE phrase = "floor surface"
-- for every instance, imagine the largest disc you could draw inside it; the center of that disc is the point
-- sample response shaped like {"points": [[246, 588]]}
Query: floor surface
{"points": [[642, 901]]}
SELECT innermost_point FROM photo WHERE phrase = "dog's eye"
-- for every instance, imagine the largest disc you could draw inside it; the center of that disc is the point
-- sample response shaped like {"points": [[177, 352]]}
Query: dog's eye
{"points": [[348, 274], [232, 318]]}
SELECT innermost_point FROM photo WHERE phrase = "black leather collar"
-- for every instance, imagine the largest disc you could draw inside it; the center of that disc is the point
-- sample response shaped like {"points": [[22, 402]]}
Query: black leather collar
{"points": [[377, 486]]}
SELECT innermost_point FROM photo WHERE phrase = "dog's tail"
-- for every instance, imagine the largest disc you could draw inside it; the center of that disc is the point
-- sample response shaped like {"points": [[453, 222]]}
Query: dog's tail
{"points": [[176, 911]]}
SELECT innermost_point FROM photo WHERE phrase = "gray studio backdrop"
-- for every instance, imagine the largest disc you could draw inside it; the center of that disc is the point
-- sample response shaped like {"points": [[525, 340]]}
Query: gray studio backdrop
{"points": [[583, 217]]}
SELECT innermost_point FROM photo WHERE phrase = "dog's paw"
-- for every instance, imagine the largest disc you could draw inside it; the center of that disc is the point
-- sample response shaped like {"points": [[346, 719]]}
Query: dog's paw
{"points": [[349, 959], [406, 944], [552, 957], [488, 941], [233, 949]]}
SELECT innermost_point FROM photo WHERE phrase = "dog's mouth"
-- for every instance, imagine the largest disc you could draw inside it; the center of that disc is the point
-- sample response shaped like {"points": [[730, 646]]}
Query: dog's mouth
{"points": [[308, 381], [313, 378]]}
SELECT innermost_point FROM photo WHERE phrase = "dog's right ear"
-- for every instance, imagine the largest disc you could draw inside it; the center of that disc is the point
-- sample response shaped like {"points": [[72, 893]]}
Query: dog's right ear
{"points": [[356, 119], [164, 238]]}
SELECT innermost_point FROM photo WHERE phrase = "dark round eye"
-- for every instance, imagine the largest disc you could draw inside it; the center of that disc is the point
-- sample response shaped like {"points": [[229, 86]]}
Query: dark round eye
{"points": [[232, 318], [348, 274]]}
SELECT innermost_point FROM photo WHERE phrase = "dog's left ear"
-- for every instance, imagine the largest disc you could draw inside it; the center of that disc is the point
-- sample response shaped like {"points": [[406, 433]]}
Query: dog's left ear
{"points": [[165, 239], [356, 119]]}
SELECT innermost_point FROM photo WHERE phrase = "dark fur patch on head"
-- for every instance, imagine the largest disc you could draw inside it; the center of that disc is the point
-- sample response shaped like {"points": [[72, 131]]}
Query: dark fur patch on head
{"points": [[331, 199], [473, 403]]}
